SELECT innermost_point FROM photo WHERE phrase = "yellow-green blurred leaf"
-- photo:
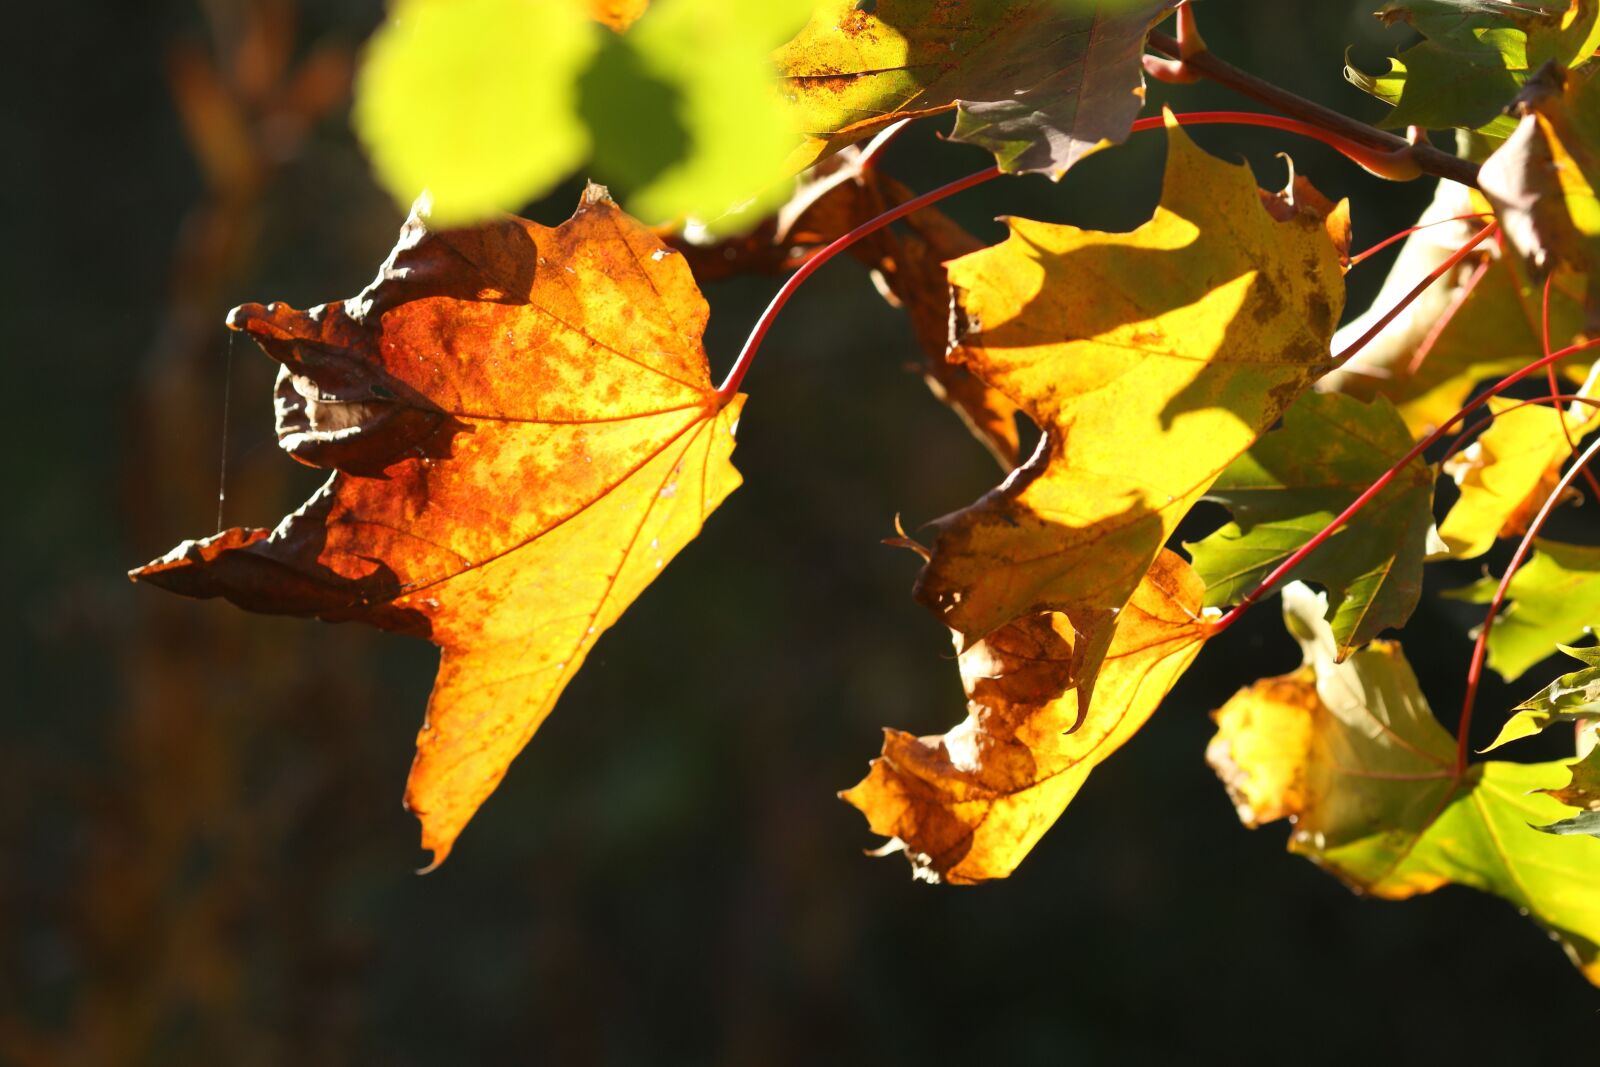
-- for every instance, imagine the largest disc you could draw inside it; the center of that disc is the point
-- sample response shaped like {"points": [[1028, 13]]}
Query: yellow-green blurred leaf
{"points": [[474, 101], [738, 133]]}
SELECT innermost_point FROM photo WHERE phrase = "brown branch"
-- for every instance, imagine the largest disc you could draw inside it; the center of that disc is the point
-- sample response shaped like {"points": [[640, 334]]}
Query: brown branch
{"points": [[1431, 160]]}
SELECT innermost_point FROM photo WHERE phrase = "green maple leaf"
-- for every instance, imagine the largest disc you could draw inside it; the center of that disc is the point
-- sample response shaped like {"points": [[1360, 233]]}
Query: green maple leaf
{"points": [[1474, 58], [1293, 482], [1554, 598], [1352, 754], [1571, 698]]}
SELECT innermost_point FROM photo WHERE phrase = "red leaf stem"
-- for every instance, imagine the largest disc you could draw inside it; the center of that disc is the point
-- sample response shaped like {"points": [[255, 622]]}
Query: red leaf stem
{"points": [[1421, 287]]}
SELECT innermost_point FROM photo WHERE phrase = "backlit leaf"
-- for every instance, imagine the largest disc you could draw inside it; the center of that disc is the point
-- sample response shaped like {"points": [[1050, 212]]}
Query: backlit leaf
{"points": [[966, 806], [1150, 359], [1468, 327], [1582, 791], [1040, 83], [1570, 699], [1553, 598], [1475, 56], [523, 432], [1508, 472], [1353, 755], [1293, 482], [1542, 180]]}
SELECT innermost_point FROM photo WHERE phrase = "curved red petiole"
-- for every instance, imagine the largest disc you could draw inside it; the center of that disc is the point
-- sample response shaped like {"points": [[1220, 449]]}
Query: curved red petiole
{"points": [[1555, 386], [741, 366], [1421, 287], [1361, 257]]}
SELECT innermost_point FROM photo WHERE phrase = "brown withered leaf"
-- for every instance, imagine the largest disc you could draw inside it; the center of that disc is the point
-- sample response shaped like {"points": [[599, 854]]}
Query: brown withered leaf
{"points": [[907, 264], [523, 432], [968, 805]]}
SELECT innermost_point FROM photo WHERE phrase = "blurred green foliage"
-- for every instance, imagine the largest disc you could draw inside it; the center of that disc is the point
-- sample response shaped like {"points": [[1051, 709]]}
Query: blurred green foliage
{"points": [[487, 104]]}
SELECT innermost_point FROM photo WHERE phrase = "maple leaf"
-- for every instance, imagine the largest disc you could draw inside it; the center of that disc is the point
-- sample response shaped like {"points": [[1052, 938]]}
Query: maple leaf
{"points": [[1473, 58], [968, 805], [1351, 753], [907, 265], [1150, 359], [1040, 83], [1572, 698], [1296, 480], [1555, 597], [523, 432], [1506, 474]]}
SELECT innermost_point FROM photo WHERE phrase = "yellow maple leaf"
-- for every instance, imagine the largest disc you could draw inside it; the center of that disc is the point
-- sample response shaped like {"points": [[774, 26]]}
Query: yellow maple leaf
{"points": [[1506, 474], [1151, 359]]}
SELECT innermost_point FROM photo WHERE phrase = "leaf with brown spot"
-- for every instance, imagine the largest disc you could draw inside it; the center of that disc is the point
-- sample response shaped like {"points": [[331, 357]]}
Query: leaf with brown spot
{"points": [[1151, 359], [523, 432], [967, 806], [1582, 790]]}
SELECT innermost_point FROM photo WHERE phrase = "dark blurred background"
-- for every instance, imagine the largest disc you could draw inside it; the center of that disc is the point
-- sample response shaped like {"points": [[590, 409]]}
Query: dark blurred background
{"points": [[204, 856]]}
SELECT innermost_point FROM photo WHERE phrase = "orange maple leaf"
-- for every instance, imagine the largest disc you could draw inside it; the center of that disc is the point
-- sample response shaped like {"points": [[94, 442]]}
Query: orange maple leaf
{"points": [[523, 432]]}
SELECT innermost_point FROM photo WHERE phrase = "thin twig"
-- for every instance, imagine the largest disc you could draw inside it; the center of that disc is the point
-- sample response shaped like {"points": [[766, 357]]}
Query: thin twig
{"points": [[1429, 159]]}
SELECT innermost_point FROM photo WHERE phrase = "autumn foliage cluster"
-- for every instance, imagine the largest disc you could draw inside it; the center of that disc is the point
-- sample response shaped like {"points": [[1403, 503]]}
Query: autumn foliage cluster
{"points": [[521, 428]]}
